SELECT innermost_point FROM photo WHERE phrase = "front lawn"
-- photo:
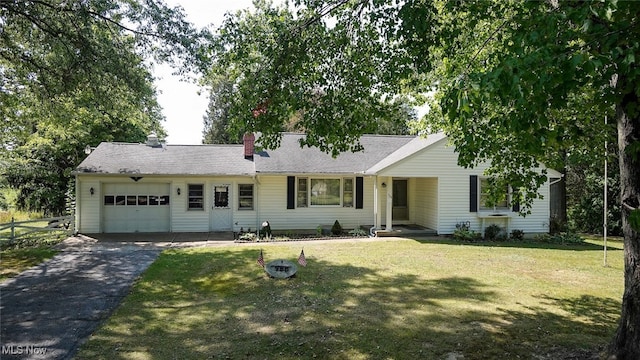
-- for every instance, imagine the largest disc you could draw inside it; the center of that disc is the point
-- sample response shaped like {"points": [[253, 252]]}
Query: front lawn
{"points": [[383, 299], [16, 260]]}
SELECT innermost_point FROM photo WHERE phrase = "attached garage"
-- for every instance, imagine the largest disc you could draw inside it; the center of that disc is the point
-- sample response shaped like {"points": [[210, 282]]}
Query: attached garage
{"points": [[135, 207]]}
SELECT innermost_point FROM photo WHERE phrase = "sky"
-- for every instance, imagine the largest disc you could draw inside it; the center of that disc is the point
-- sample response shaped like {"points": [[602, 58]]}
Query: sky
{"points": [[183, 108]]}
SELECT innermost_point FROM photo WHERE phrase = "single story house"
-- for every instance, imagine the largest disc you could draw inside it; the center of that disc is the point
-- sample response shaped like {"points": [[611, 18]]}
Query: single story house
{"points": [[396, 180]]}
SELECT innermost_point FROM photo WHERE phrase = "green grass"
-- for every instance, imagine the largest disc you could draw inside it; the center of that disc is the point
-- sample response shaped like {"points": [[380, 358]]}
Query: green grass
{"points": [[15, 261], [395, 299]]}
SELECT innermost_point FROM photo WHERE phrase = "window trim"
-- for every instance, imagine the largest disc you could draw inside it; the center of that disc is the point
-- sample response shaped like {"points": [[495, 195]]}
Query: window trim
{"points": [[495, 209], [189, 197], [307, 192], [241, 197]]}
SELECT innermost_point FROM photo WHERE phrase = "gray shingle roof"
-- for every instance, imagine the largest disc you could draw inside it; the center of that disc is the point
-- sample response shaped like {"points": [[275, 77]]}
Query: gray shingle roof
{"points": [[291, 158], [125, 158], [379, 152]]}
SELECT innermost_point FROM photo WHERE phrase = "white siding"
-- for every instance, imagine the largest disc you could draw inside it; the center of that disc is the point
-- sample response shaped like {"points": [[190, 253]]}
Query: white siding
{"points": [[273, 208], [89, 205], [426, 202], [440, 161], [181, 219]]}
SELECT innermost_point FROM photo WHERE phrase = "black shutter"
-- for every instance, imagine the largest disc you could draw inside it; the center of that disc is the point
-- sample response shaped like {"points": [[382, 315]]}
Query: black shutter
{"points": [[473, 193], [291, 192], [515, 207], [359, 192]]}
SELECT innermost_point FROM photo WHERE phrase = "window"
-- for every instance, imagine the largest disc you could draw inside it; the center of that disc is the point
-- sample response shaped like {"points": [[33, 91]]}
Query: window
{"points": [[245, 197], [303, 198], [347, 193], [196, 197], [109, 200], [221, 197], [303, 192], [485, 197], [325, 192]]}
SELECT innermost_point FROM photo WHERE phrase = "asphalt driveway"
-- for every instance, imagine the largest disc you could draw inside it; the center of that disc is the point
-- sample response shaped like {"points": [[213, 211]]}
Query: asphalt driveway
{"points": [[48, 311]]}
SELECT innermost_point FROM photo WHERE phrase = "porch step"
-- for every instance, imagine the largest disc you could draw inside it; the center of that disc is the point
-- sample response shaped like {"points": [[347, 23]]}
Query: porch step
{"points": [[406, 230]]}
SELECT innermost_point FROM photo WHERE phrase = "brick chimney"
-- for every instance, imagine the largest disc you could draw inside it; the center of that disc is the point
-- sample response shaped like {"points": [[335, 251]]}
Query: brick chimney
{"points": [[249, 140]]}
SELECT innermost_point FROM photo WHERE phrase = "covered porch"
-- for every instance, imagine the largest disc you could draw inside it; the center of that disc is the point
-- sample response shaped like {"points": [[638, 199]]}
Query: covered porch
{"points": [[405, 205]]}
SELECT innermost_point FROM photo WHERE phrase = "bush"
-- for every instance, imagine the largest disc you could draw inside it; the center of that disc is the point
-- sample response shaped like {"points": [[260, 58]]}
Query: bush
{"points": [[336, 229], [517, 235], [248, 236], [357, 232], [562, 238], [557, 225], [464, 233], [493, 232]]}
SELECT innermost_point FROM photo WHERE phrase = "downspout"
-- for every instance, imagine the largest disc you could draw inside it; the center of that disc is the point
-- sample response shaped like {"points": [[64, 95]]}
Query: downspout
{"points": [[376, 207], [389, 221]]}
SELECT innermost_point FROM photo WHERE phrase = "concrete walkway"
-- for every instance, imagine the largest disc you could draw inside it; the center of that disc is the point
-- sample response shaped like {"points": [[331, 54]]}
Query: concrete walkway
{"points": [[48, 311]]}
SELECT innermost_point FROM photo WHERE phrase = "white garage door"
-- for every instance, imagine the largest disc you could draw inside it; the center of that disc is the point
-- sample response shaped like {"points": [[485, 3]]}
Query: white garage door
{"points": [[135, 208]]}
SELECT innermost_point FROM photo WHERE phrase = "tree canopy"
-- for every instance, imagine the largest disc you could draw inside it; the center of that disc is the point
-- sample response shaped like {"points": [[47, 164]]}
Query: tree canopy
{"points": [[75, 73], [287, 66], [516, 83]]}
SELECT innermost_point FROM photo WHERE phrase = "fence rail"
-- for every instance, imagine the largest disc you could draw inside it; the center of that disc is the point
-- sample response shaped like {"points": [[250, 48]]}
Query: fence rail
{"points": [[21, 229]]}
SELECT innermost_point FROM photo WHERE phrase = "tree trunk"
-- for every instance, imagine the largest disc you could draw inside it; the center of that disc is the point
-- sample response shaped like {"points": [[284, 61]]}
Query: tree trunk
{"points": [[626, 343]]}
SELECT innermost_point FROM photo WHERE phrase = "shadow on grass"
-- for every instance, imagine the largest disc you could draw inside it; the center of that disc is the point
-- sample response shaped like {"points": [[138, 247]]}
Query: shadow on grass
{"points": [[194, 305], [527, 244]]}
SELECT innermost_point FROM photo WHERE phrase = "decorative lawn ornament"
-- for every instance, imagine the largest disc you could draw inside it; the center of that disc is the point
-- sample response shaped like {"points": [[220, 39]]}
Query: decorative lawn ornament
{"points": [[281, 269]]}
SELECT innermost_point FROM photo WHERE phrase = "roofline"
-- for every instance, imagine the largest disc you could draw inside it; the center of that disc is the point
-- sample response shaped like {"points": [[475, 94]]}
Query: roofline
{"points": [[80, 173]]}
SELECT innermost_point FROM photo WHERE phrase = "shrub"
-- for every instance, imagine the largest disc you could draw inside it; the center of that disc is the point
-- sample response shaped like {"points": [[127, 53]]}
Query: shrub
{"points": [[248, 236], [464, 233], [336, 229], [568, 238], [562, 238], [517, 235], [493, 232], [357, 232], [557, 225]]}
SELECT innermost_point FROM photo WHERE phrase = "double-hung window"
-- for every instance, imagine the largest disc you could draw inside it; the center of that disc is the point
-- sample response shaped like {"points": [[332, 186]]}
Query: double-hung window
{"points": [[303, 193], [245, 196], [196, 197], [486, 203], [347, 192]]}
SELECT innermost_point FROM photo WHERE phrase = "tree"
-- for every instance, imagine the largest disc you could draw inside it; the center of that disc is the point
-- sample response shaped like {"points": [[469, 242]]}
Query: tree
{"points": [[75, 73], [515, 83], [217, 121], [283, 68]]}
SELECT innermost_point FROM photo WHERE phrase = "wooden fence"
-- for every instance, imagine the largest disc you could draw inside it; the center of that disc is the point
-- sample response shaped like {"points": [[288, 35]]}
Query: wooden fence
{"points": [[24, 229]]}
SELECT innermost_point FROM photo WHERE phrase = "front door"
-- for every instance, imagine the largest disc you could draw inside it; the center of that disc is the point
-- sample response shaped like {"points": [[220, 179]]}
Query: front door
{"points": [[400, 200], [221, 210]]}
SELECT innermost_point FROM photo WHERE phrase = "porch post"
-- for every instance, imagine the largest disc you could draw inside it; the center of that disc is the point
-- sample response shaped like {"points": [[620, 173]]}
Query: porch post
{"points": [[389, 224], [377, 216]]}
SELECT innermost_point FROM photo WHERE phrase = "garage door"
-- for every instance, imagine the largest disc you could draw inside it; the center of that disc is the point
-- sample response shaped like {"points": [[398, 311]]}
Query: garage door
{"points": [[135, 208]]}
